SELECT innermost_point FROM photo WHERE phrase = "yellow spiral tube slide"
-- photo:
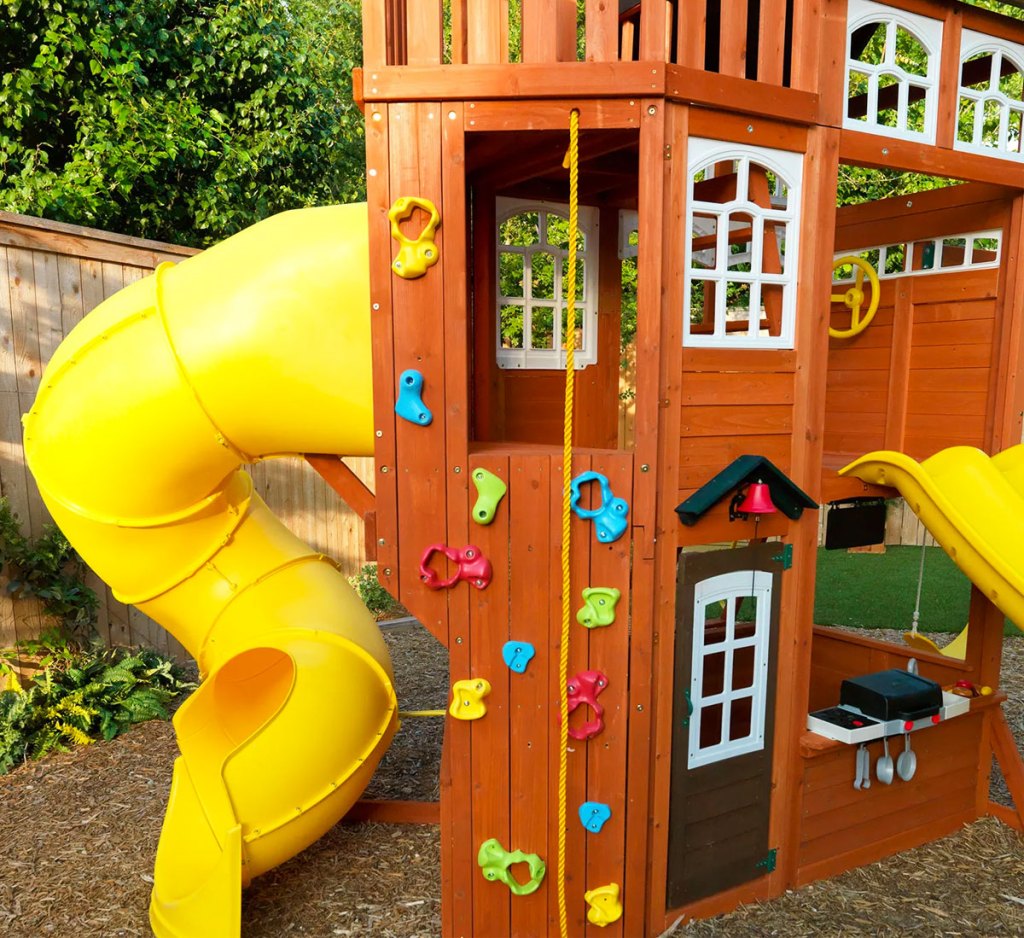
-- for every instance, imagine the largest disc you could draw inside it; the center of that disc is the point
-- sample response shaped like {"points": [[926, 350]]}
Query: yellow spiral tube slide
{"points": [[258, 347]]}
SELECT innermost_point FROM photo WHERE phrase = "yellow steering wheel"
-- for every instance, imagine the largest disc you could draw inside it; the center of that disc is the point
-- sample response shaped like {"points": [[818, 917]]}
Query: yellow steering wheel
{"points": [[853, 298]]}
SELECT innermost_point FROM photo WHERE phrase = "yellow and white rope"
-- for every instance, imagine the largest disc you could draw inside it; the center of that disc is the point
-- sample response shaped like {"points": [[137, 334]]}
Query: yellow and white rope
{"points": [[572, 158]]}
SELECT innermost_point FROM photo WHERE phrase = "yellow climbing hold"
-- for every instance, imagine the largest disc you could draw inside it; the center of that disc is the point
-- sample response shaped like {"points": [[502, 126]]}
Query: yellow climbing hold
{"points": [[467, 698], [415, 255], [604, 903]]}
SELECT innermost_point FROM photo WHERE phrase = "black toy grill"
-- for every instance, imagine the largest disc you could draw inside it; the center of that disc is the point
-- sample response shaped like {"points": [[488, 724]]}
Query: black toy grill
{"points": [[892, 695]]}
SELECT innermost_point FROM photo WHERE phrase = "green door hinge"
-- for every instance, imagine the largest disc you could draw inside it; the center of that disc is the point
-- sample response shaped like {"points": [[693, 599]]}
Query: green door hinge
{"points": [[786, 557], [768, 863]]}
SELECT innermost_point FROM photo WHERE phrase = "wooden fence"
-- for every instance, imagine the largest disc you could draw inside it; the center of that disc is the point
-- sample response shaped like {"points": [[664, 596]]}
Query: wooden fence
{"points": [[51, 275]]}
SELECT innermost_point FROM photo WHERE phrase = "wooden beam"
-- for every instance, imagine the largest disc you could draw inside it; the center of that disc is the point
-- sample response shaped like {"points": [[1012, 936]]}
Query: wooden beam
{"points": [[570, 80], [888, 153], [344, 481], [1004, 748], [394, 812], [1007, 815], [748, 97]]}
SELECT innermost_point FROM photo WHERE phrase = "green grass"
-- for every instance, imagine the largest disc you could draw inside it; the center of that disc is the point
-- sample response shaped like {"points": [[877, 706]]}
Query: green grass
{"points": [[876, 591]]}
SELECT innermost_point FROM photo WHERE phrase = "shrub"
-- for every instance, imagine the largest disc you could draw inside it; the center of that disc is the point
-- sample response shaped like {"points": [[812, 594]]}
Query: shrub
{"points": [[50, 569], [377, 599], [81, 696]]}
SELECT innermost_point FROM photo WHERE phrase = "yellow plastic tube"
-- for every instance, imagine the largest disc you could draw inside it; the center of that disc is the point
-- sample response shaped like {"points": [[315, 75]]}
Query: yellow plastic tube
{"points": [[973, 505], [258, 347]]}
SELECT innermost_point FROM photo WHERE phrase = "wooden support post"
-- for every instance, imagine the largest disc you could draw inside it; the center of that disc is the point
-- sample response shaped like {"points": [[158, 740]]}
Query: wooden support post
{"points": [[1004, 747], [821, 166]]}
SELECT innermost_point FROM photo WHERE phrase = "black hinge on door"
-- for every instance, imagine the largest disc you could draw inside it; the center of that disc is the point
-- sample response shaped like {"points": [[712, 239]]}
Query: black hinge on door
{"points": [[785, 557], [768, 863]]}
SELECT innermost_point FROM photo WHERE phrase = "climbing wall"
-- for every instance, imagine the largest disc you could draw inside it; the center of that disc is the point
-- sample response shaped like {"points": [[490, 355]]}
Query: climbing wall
{"points": [[491, 591]]}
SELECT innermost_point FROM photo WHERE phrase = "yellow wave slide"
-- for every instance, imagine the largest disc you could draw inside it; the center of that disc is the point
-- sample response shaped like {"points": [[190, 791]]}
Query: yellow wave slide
{"points": [[258, 347], [972, 504]]}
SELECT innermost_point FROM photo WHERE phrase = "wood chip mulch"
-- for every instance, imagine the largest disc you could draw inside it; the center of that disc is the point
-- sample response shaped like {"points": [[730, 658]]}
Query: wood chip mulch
{"points": [[79, 831]]}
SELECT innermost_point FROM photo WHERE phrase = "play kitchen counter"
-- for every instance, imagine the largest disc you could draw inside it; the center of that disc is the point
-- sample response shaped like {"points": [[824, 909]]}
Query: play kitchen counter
{"points": [[840, 825]]}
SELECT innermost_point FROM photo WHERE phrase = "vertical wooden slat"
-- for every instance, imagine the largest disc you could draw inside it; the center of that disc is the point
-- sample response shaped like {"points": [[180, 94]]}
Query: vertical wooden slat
{"points": [[489, 626], [423, 27], [1009, 400], [457, 49], [609, 652], [732, 43], [531, 710], [460, 875], [662, 430], [832, 62], [575, 855], [805, 64], [899, 365], [653, 173], [486, 31], [693, 24], [20, 489], [602, 31], [948, 104], [654, 18], [771, 41], [797, 609], [382, 330], [12, 480], [540, 38], [375, 50]]}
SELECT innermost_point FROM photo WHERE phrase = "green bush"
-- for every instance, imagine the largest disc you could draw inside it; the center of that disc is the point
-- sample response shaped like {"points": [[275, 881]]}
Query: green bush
{"points": [[377, 599], [79, 697], [50, 569]]}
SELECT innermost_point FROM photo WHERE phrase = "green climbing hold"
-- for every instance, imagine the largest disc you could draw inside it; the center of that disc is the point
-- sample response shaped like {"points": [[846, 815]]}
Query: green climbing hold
{"points": [[598, 606], [494, 860], [490, 490]]}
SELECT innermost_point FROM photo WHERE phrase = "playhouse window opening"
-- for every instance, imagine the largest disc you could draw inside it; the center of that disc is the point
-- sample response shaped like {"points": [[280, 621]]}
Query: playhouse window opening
{"points": [[892, 71], [742, 226], [533, 285], [991, 95]]}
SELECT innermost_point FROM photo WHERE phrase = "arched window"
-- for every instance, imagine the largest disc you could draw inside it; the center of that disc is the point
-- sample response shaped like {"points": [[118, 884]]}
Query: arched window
{"points": [[533, 251], [892, 66], [991, 112], [742, 220]]}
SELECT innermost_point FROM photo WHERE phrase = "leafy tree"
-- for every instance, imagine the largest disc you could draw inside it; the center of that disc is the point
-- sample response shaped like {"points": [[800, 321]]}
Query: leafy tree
{"points": [[182, 120]]}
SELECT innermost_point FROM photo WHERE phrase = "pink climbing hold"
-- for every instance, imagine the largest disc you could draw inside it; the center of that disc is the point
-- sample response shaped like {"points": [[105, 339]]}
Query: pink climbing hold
{"points": [[471, 566]]}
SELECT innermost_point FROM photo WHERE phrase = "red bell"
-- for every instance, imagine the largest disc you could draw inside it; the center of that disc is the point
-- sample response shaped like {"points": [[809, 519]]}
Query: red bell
{"points": [[757, 500]]}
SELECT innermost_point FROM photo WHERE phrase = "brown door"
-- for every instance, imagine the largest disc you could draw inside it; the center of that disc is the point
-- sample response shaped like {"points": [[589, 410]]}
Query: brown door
{"points": [[727, 608]]}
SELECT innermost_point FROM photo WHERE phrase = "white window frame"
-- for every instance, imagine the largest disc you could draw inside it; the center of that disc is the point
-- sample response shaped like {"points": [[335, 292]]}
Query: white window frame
{"points": [[785, 165], [728, 587], [586, 306], [911, 249], [926, 31], [971, 43]]}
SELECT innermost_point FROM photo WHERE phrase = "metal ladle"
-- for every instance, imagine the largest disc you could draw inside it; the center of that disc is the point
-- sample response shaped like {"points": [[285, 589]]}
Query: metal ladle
{"points": [[884, 766], [906, 763]]}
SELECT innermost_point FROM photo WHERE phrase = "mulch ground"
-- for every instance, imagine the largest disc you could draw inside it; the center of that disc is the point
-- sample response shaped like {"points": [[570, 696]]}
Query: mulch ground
{"points": [[79, 832]]}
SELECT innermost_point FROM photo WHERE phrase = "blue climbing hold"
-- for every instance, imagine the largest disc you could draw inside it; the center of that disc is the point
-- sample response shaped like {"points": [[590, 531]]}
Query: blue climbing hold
{"points": [[409, 405], [610, 518], [517, 655], [593, 814]]}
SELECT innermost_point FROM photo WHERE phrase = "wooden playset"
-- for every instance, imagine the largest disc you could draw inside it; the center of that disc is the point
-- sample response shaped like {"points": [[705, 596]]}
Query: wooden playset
{"points": [[711, 137]]}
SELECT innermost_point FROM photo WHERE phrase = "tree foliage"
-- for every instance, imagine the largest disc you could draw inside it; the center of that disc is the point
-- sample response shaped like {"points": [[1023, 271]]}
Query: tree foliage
{"points": [[181, 120]]}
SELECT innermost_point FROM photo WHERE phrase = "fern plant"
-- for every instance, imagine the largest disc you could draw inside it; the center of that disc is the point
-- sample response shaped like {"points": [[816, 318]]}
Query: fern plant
{"points": [[82, 696]]}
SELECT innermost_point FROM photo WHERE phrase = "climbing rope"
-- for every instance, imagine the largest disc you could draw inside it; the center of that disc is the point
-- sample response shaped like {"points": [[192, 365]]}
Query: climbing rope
{"points": [[572, 162]]}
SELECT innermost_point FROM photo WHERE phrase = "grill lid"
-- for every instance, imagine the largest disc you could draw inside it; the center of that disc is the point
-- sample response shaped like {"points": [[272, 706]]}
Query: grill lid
{"points": [[892, 695]]}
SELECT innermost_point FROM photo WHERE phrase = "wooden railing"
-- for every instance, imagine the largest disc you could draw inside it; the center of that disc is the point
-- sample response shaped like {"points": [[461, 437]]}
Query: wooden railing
{"points": [[740, 38]]}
